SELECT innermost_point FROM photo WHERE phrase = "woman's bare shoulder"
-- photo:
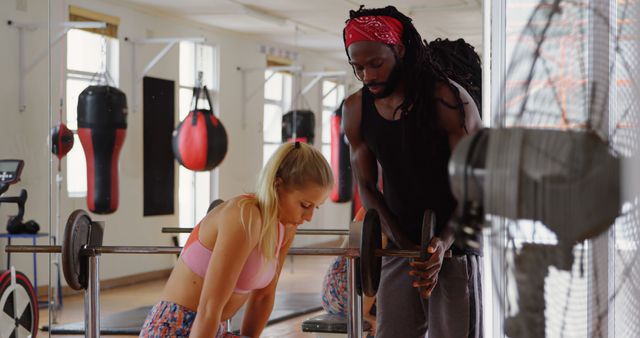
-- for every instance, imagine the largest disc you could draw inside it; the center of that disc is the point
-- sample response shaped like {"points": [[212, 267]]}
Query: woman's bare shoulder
{"points": [[239, 213]]}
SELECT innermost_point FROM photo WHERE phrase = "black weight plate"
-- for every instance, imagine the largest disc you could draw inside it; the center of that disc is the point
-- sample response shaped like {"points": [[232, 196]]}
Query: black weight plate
{"points": [[18, 307], [428, 227], [76, 236], [215, 204], [370, 264]]}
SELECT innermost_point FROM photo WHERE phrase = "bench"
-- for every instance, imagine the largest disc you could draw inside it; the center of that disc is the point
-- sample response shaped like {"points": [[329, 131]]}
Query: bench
{"points": [[329, 325]]}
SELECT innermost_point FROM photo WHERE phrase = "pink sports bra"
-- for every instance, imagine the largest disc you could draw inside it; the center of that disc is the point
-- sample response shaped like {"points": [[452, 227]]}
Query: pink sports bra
{"points": [[256, 273]]}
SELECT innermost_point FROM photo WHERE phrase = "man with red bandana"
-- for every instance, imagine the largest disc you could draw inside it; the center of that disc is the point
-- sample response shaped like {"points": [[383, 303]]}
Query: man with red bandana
{"points": [[408, 117]]}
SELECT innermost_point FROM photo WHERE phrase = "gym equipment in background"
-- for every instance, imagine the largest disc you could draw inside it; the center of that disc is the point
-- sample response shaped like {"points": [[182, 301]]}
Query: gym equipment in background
{"points": [[102, 126], [61, 140], [342, 190], [10, 171], [18, 305], [200, 140], [298, 125]]}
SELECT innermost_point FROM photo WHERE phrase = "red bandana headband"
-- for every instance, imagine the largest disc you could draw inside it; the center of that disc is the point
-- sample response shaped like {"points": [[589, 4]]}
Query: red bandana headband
{"points": [[383, 29]]}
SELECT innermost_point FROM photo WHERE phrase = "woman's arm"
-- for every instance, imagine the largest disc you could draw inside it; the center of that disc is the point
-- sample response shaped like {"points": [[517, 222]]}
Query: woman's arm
{"points": [[261, 301], [231, 249]]}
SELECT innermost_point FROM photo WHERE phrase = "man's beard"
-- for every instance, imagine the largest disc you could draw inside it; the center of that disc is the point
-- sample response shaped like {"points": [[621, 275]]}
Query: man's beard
{"points": [[391, 83]]}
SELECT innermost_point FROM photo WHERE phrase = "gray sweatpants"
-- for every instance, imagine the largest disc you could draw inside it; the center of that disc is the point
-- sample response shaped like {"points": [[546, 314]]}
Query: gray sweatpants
{"points": [[454, 309]]}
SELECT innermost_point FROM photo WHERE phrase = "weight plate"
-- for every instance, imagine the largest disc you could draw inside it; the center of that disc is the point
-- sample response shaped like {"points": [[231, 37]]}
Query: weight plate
{"points": [[76, 236], [215, 204], [370, 264]]}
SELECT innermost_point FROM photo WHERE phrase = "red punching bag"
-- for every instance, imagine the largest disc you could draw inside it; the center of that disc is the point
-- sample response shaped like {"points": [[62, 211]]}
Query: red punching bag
{"points": [[342, 190], [61, 140], [102, 126], [200, 140]]}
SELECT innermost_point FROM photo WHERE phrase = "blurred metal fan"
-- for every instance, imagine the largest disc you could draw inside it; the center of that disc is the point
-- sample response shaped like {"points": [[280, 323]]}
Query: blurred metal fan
{"points": [[548, 182]]}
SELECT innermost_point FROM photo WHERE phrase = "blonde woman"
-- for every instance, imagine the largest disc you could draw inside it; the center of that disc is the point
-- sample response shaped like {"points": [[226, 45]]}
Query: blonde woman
{"points": [[235, 254]]}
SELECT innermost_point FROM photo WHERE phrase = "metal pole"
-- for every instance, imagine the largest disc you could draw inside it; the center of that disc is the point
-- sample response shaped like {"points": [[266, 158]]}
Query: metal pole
{"points": [[21, 69], [354, 325], [92, 299]]}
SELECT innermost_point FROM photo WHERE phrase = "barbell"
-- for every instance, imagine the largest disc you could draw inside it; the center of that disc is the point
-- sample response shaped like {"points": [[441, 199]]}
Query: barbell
{"points": [[83, 238], [82, 245]]}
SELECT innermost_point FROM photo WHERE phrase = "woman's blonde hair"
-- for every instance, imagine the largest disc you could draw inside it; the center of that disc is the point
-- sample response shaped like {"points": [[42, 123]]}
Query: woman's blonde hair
{"points": [[297, 165]]}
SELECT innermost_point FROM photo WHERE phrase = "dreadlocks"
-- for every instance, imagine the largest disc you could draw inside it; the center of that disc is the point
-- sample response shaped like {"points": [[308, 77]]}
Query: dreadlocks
{"points": [[461, 63], [421, 72]]}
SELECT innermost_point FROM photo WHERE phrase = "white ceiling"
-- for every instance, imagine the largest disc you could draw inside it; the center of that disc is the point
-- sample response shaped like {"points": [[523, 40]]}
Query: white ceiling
{"points": [[316, 25]]}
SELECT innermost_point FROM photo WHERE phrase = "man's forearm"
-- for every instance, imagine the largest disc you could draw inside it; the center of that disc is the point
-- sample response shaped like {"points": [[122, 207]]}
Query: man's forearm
{"points": [[447, 235], [373, 199], [448, 232]]}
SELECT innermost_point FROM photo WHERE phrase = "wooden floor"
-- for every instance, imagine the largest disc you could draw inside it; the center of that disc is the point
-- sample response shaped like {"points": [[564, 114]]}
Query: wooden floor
{"points": [[300, 274]]}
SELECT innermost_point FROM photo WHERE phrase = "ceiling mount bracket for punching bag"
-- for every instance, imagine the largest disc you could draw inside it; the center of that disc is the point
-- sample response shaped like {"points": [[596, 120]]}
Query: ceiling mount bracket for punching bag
{"points": [[23, 69], [137, 78]]}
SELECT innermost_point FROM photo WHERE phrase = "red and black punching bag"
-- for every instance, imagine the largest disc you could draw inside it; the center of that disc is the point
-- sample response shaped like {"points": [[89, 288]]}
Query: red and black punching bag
{"points": [[102, 126], [304, 124], [61, 140], [342, 190], [200, 140]]}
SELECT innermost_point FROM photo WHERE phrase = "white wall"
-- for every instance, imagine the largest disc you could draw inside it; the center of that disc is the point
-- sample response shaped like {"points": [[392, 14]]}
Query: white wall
{"points": [[24, 135]]}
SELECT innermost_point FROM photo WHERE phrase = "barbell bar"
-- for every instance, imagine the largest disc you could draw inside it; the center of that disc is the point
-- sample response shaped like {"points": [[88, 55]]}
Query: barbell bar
{"points": [[337, 232], [215, 203], [152, 250]]}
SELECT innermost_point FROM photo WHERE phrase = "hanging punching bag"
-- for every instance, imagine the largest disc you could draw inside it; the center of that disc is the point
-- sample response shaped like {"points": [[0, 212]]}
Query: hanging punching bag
{"points": [[61, 140], [342, 190], [200, 140], [304, 124], [102, 125]]}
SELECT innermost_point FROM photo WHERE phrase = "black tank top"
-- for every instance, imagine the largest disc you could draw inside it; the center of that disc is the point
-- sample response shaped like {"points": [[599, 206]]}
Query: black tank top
{"points": [[414, 169]]}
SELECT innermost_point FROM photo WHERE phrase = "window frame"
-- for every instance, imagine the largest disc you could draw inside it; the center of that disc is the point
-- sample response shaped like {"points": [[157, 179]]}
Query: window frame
{"points": [[340, 90], [284, 104]]}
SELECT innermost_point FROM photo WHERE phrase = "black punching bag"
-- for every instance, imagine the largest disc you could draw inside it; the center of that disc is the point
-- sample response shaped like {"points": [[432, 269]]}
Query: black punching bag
{"points": [[102, 125], [304, 124], [342, 190]]}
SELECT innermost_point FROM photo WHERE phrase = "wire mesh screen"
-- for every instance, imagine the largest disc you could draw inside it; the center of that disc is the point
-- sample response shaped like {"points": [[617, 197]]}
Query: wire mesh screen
{"points": [[572, 66]]}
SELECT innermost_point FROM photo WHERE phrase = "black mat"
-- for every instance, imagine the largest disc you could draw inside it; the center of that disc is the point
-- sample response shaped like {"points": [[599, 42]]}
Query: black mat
{"points": [[287, 305]]}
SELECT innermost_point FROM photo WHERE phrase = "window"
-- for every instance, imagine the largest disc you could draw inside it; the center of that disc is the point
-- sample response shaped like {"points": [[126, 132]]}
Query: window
{"points": [[90, 57], [332, 96], [277, 100], [195, 189]]}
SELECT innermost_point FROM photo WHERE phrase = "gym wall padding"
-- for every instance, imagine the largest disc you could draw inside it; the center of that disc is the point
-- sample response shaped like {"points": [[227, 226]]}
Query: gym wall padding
{"points": [[158, 124]]}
